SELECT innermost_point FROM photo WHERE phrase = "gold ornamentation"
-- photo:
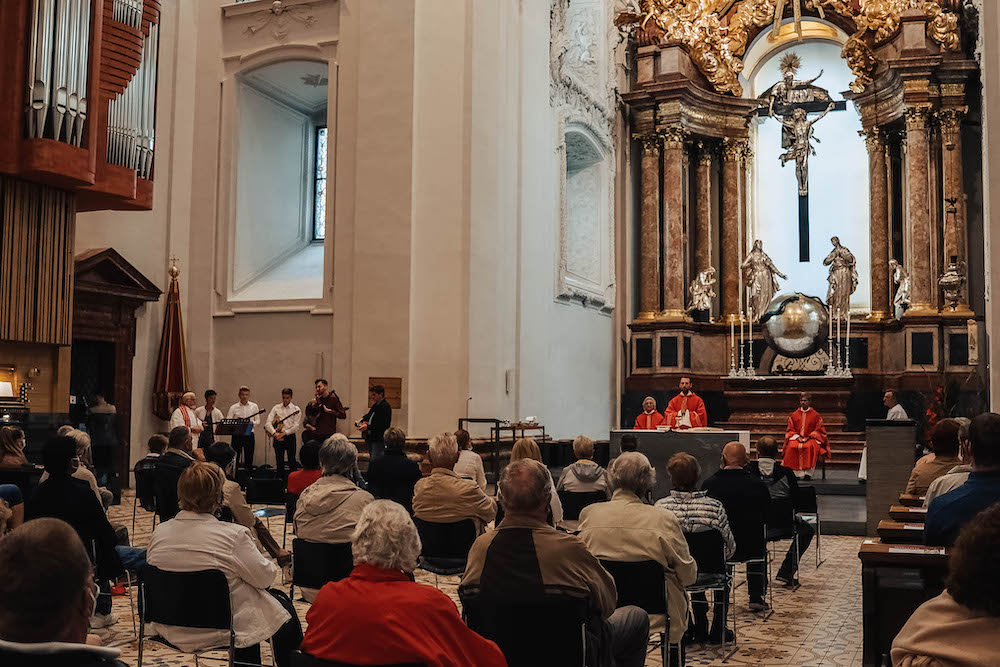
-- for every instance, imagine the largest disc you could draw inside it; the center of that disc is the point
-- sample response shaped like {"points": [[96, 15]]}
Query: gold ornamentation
{"points": [[705, 154], [874, 140], [733, 149], [673, 137], [650, 142], [716, 48], [951, 124], [916, 118]]}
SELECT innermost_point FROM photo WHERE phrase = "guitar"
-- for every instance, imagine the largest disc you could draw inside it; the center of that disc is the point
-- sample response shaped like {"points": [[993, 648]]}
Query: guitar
{"points": [[279, 424]]}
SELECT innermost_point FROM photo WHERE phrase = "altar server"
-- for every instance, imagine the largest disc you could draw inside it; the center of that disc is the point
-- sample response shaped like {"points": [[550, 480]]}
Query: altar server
{"points": [[686, 409], [649, 418], [805, 439]]}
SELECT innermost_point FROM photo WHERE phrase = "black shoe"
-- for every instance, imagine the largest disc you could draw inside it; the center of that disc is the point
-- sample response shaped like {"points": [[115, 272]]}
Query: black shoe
{"points": [[759, 605], [695, 635], [717, 637], [807, 478], [788, 580]]}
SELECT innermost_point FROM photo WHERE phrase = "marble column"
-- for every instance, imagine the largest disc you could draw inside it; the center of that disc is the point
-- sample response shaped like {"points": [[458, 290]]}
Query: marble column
{"points": [[673, 229], [703, 209], [923, 276], [879, 222], [955, 233], [731, 224], [649, 228]]}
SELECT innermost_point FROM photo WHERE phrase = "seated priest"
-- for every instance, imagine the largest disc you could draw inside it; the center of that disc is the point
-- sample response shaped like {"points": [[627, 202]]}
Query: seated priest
{"points": [[686, 409], [805, 439], [649, 418]]}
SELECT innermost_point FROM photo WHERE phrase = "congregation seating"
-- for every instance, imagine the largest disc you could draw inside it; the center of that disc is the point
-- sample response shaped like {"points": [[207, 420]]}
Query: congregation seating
{"points": [[445, 545], [573, 502], [714, 576], [911, 500], [641, 584], [911, 514], [315, 564]]}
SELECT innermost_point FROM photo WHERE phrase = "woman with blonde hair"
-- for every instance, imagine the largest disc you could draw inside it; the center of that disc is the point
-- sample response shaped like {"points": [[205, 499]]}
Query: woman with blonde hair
{"points": [[12, 447], [527, 448]]}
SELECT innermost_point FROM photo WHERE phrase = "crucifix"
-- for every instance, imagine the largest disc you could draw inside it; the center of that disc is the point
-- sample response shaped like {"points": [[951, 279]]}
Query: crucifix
{"points": [[791, 101]]}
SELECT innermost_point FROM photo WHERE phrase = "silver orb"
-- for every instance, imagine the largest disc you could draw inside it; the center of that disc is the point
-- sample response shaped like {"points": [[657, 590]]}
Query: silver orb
{"points": [[795, 325]]}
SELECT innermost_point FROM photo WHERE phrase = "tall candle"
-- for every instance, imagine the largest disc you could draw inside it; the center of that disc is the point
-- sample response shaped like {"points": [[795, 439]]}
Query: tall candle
{"points": [[847, 362], [741, 340], [830, 337], [840, 349], [732, 342], [750, 342]]}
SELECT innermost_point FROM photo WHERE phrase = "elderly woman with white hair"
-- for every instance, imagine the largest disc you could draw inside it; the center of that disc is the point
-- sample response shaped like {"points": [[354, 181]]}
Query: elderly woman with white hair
{"points": [[329, 508], [379, 615], [185, 415], [626, 529], [443, 496]]}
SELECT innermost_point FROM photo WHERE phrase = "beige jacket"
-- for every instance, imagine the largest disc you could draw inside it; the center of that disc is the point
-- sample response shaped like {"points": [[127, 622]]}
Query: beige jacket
{"points": [[444, 497], [584, 476], [626, 529], [944, 633], [955, 478], [328, 509], [928, 469]]}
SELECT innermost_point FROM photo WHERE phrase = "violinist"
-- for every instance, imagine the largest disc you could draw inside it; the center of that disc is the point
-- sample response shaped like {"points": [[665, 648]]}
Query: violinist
{"points": [[283, 422], [322, 414]]}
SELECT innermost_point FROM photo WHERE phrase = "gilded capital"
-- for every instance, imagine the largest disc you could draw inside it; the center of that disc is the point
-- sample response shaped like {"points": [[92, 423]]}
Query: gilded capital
{"points": [[705, 154], [874, 140], [650, 143], [673, 137], [916, 118], [950, 120], [734, 149]]}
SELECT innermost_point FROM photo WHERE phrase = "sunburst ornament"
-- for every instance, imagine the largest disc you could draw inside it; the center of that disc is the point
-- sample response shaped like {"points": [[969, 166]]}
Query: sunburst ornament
{"points": [[790, 63]]}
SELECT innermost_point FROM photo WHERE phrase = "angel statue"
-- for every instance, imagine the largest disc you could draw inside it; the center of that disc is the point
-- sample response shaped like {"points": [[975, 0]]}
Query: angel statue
{"points": [[901, 278], [759, 274], [790, 91], [702, 290], [843, 278]]}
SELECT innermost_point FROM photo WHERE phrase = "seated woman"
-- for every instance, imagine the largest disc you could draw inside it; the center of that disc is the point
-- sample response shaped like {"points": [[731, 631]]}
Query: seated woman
{"points": [[309, 472], [12, 447], [585, 474], [961, 625], [527, 448], [224, 456], [470, 464], [393, 475], [944, 443], [328, 510], [195, 540], [378, 615]]}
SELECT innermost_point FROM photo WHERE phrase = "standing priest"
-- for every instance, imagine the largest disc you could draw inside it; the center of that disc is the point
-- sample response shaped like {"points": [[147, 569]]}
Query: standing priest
{"points": [[686, 409], [805, 439]]}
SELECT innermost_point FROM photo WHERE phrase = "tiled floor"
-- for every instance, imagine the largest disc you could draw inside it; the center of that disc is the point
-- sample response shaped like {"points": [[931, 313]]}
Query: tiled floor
{"points": [[815, 626]]}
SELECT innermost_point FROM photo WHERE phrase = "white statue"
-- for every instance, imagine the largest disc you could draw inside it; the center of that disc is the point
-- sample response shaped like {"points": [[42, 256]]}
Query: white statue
{"points": [[759, 273], [702, 291], [843, 278], [800, 148], [901, 278]]}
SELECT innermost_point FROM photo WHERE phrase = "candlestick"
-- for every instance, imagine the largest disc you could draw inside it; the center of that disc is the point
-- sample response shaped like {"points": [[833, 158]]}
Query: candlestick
{"points": [[732, 345], [829, 366], [847, 362], [751, 369], [840, 349], [742, 370]]}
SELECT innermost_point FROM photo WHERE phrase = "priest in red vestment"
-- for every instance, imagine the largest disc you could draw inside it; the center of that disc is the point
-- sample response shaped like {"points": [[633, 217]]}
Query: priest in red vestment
{"points": [[649, 418], [686, 409], [805, 439]]}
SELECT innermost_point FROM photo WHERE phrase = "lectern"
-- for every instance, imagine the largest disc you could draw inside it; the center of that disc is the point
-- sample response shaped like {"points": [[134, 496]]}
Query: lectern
{"points": [[890, 460]]}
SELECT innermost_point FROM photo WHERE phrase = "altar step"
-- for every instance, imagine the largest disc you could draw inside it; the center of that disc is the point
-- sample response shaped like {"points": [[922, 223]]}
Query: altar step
{"points": [[845, 446]]}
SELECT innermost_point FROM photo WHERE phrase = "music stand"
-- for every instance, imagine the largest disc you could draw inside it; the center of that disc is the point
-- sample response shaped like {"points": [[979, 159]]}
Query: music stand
{"points": [[234, 427]]}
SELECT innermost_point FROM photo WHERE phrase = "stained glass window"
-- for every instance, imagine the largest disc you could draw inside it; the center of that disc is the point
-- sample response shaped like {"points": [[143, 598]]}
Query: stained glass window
{"points": [[319, 216]]}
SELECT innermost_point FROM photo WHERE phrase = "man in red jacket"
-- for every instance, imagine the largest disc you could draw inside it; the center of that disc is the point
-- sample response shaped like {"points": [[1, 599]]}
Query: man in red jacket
{"points": [[378, 615]]}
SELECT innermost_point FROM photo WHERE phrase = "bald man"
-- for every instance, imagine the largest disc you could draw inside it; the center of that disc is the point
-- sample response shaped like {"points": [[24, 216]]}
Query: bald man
{"points": [[746, 500]]}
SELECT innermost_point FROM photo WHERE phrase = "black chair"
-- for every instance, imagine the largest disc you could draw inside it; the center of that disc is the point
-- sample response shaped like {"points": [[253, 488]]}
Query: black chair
{"points": [[291, 501], [765, 560], [781, 526], [315, 564], [145, 493], [807, 507], [24, 477], [547, 630], [186, 599], [641, 583], [445, 545], [300, 659], [573, 502], [265, 491], [708, 548]]}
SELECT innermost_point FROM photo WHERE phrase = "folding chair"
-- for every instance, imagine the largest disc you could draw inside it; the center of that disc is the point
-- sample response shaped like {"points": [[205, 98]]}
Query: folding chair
{"points": [[315, 564], [300, 659], [573, 502], [266, 491], [641, 583], [291, 501], [145, 494], [708, 549], [445, 546], [186, 599], [550, 629], [807, 507], [765, 560], [92, 552]]}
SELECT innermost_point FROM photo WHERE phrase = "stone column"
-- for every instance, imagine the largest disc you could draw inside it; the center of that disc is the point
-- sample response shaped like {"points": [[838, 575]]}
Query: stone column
{"points": [[673, 242], [703, 209], [730, 226], [955, 233], [879, 222], [649, 228], [918, 220]]}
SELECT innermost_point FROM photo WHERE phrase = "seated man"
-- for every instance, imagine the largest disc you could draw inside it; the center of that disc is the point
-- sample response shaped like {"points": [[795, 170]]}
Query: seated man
{"points": [[783, 487], [649, 418], [47, 603], [629, 443], [686, 409], [961, 625], [393, 475], [380, 615], [626, 529], [944, 445], [310, 471], [534, 558], [584, 475], [959, 474], [64, 497], [948, 513], [169, 467], [746, 501], [145, 471], [444, 497], [329, 509], [195, 540], [805, 439], [695, 513]]}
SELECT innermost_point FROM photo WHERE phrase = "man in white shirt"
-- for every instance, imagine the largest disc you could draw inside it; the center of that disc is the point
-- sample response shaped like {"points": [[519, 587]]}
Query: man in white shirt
{"points": [[896, 414], [209, 416], [245, 409], [283, 434], [185, 415]]}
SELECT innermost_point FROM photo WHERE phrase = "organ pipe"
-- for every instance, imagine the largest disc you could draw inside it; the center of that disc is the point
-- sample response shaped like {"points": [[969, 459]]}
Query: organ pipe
{"points": [[131, 115]]}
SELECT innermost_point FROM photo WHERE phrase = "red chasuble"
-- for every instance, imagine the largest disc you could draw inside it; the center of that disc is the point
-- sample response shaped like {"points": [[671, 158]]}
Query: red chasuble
{"points": [[648, 422], [692, 402], [802, 453]]}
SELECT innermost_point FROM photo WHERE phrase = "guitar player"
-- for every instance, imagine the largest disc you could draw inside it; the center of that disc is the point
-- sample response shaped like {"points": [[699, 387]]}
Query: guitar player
{"points": [[283, 422], [378, 419]]}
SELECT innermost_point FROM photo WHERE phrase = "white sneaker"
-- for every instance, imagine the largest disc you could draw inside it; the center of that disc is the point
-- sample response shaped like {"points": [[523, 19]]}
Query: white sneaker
{"points": [[103, 620]]}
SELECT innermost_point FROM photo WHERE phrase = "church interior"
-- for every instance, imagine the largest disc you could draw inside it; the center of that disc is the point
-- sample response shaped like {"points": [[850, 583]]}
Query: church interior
{"points": [[527, 284]]}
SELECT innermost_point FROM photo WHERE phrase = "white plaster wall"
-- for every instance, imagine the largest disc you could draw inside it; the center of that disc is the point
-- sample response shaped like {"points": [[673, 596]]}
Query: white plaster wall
{"points": [[990, 63]]}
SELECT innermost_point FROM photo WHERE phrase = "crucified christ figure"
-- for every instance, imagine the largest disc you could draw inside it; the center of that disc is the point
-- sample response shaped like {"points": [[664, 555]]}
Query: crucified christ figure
{"points": [[801, 148]]}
